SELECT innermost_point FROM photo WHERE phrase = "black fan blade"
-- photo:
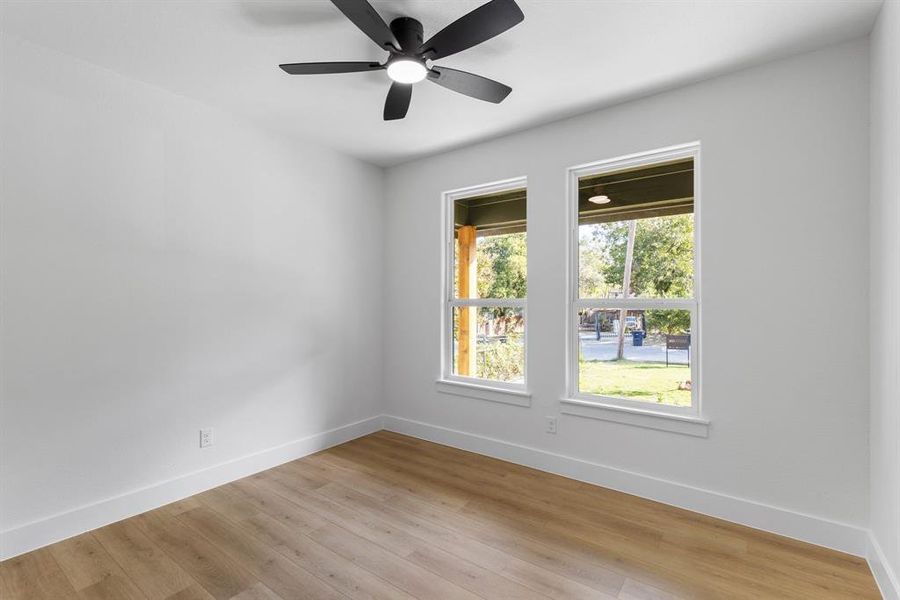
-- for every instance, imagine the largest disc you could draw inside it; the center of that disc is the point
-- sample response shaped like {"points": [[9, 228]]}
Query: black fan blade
{"points": [[397, 102], [478, 26], [324, 68], [470, 84], [369, 21]]}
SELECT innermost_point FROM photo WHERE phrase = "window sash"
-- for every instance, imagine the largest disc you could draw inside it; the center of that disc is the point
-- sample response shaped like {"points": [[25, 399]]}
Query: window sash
{"points": [[449, 302], [649, 303], [576, 303], [575, 363], [488, 302]]}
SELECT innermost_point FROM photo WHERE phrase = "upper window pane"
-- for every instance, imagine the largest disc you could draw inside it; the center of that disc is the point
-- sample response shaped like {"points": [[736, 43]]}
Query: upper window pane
{"points": [[490, 249], [637, 227]]}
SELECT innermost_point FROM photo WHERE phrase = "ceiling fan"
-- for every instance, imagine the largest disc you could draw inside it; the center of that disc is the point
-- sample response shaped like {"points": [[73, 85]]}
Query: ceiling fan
{"points": [[406, 63]]}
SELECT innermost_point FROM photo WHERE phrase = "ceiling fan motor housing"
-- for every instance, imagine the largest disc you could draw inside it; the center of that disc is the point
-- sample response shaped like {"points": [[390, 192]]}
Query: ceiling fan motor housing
{"points": [[408, 32]]}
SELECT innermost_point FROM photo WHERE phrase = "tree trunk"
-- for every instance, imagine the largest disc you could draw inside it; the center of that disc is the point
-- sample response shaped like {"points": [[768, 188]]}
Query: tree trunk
{"points": [[626, 286]]}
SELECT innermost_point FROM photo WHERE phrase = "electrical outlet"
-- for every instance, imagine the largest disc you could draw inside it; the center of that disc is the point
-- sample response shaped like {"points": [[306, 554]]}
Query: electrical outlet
{"points": [[206, 437], [551, 424]]}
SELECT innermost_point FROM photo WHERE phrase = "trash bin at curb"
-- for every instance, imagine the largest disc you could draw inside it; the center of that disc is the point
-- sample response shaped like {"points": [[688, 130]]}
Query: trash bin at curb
{"points": [[637, 338]]}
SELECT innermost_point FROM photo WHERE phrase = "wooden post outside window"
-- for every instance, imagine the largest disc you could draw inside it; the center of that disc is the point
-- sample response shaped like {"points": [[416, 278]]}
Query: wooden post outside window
{"points": [[468, 324]]}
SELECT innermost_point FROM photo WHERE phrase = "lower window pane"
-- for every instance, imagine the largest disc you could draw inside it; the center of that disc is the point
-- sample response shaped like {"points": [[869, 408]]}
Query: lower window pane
{"points": [[489, 343], [641, 355]]}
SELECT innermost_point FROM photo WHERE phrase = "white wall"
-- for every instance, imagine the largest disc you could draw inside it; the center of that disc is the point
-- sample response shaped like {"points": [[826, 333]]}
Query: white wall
{"points": [[885, 288], [167, 267], [785, 286]]}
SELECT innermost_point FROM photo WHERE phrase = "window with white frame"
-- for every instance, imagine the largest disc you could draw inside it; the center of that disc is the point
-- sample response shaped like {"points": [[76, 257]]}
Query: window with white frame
{"points": [[485, 286], [634, 310]]}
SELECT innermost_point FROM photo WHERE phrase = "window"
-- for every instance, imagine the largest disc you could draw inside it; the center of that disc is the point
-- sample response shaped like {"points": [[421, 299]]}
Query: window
{"points": [[485, 287], [634, 311]]}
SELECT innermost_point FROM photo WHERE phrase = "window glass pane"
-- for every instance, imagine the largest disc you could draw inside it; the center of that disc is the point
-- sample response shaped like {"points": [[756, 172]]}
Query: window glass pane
{"points": [[638, 354], [489, 250], [489, 343], [662, 258], [637, 226]]}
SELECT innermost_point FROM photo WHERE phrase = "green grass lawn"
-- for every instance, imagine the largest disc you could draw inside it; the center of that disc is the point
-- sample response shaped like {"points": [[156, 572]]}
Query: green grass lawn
{"points": [[645, 381]]}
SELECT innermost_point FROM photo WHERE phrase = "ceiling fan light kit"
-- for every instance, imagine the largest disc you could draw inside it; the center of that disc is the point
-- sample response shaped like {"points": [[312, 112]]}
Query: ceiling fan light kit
{"points": [[406, 70], [407, 62]]}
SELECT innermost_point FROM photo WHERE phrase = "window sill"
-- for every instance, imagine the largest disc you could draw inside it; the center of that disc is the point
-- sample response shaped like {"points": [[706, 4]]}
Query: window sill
{"points": [[483, 392], [687, 425]]}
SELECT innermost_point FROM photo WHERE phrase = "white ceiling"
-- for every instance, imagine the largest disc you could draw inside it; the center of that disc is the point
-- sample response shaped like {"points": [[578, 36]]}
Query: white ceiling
{"points": [[568, 56]]}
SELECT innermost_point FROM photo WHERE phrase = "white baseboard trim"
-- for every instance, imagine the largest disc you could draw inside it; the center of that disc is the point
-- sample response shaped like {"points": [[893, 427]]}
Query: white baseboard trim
{"points": [[887, 580], [815, 530], [85, 518]]}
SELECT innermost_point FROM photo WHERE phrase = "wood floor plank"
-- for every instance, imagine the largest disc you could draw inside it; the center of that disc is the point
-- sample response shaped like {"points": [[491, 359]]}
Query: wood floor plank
{"points": [[220, 576], [470, 576], [114, 587], [635, 590], [287, 512], [426, 547], [392, 517], [303, 474], [350, 477], [511, 547], [289, 538], [92, 571], [535, 507], [484, 489], [226, 501], [356, 458], [275, 571], [348, 578], [516, 529], [157, 575], [258, 592], [375, 545], [403, 534], [526, 565], [83, 560], [34, 576], [192, 592], [415, 580]]}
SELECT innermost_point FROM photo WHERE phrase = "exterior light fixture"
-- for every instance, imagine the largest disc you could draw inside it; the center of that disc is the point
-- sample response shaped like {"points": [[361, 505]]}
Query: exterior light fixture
{"points": [[599, 199]]}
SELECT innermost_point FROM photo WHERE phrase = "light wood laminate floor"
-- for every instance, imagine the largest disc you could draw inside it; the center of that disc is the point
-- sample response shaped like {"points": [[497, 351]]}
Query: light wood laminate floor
{"points": [[388, 516]]}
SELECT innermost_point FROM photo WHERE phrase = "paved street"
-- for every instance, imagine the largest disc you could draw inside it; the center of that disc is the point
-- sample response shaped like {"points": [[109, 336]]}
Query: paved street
{"points": [[605, 349]]}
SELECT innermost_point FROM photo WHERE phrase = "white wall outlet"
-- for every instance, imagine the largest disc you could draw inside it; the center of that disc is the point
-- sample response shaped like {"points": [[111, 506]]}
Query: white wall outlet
{"points": [[551, 424], [206, 437]]}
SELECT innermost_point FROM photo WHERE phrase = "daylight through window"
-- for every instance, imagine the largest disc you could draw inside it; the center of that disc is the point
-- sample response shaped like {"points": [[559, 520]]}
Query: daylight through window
{"points": [[486, 310], [635, 310]]}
